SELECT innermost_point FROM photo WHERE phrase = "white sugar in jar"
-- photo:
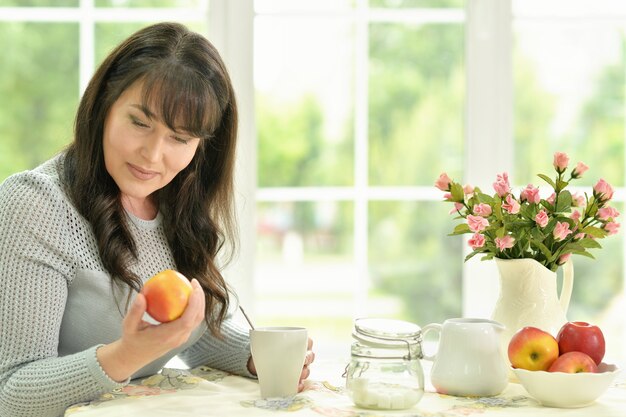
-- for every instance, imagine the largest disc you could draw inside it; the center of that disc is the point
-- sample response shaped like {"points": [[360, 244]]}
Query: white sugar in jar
{"points": [[385, 372]]}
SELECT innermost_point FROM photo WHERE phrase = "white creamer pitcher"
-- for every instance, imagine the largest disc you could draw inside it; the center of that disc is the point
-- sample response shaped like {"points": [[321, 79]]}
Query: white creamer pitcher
{"points": [[468, 361]]}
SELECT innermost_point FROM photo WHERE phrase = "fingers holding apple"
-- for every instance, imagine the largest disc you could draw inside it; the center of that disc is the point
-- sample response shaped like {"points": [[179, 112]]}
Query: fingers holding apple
{"points": [[533, 349], [579, 336]]}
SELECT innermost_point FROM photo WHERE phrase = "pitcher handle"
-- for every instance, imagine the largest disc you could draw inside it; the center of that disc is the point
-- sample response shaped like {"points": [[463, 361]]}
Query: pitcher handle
{"points": [[568, 284], [430, 327]]}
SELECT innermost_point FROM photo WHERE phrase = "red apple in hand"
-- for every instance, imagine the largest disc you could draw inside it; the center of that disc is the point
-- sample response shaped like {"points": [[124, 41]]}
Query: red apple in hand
{"points": [[578, 336], [532, 349], [573, 363], [167, 294]]}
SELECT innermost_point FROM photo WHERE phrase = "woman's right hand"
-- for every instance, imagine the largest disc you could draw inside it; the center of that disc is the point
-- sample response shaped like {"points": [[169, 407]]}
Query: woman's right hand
{"points": [[142, 342]]}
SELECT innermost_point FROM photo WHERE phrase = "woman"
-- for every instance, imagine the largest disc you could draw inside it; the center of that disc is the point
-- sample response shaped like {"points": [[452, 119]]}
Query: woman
{"points": [[146, 185]]}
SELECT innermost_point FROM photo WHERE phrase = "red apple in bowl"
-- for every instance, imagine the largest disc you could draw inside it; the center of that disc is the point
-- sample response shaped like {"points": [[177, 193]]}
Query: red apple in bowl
{"points": [[532, 349], [579, 336], [573, 363]]}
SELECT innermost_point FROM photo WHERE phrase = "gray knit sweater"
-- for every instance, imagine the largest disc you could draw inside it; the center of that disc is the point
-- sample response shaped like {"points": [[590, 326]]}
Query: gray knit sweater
{"points": [[57, 304]]}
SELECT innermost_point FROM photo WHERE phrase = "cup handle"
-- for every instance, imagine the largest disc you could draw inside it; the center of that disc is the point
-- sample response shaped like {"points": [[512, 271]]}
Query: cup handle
{"points": [[430, 327], [568, 284]]}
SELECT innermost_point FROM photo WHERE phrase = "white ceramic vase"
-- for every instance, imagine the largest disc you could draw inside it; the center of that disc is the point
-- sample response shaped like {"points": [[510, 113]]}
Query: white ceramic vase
{"points": [[529, 297]]}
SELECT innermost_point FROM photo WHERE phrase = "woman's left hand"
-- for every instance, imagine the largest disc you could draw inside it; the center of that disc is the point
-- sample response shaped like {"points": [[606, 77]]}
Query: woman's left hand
{"points": [[308, 360]]}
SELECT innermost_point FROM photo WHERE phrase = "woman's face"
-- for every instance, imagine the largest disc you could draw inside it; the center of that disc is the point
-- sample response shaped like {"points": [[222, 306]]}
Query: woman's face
{"points": [[140, 152]]}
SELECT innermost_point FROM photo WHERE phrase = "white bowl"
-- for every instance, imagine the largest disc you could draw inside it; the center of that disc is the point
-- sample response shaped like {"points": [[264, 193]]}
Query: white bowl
{"points": [[559, 389]]}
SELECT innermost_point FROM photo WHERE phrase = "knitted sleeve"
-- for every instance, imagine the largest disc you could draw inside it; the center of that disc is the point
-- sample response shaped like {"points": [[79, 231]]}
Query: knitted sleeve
{"points": [[229, 354], [36, 267]]}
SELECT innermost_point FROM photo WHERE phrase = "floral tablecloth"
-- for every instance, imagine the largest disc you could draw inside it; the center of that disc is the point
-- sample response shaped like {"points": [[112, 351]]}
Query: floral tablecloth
{"points": [[208, 392]]}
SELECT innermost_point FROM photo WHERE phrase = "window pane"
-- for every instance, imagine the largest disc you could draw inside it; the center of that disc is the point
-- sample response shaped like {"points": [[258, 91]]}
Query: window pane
{"points": [[38, 91], [416, 3], [300, 6], [569, 74], [304, 108], [598, 294], [39, 3], [149, 3], [415, 266], [305, 273], [293, 232], [109, 35], [416, 103], [573, 104]]}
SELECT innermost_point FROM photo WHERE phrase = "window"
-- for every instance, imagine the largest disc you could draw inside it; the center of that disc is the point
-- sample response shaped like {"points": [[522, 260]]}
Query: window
{"points": [[51, 50], [350, 109], [358, 108]]}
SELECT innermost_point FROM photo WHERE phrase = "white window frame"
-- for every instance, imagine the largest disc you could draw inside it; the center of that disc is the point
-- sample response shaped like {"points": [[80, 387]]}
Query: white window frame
{"points": [[489, 125], [489, 112]]}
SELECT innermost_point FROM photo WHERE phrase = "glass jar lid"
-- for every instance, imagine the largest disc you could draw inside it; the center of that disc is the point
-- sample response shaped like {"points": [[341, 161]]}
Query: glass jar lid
{"points": [[387, 333]]}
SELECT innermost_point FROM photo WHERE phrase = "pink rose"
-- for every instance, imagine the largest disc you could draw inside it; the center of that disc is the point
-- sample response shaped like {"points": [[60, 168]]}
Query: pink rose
{"points": [[476, 241], [579, 236], [482, 209], [563, 258], [541, 218], [477, 223], [505, 242], [603, 190], [606, 213], [468, 189], [575, 215], [511, 205], [443, 182], [612, 228], [580, 169], [457, 207], [561, 231], [530, 194], [502, 186], [578, 200], [560, 161], [552, 198]]}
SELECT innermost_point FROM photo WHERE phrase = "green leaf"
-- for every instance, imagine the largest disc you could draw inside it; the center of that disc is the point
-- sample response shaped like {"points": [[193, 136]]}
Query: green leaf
{"points": [[547, 179], [564, 202], [461, 229], [595, 231], [573, 247], [485, 198], [562, 184], [527, 212], [500, 232], [543, 248], [589, 243], [487, 257], [497, 209], [585, 253], [592, 208], [457, 192], [472, 254], [547, 205]]}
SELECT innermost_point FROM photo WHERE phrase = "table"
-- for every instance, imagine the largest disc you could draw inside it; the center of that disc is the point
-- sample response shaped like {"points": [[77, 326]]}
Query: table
{"points": [[208, 392]]}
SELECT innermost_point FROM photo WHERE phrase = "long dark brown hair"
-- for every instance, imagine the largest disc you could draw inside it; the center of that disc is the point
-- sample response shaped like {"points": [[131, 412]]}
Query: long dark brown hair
{"points": [[182, 75]]}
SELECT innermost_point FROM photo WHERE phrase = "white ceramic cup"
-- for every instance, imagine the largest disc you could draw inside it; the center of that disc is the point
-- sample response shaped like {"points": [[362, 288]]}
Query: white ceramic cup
{"points": [[278, 354]]}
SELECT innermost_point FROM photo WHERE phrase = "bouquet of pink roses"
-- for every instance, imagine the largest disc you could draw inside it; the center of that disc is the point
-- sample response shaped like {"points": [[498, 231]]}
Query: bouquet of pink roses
{"points": [[548, 230]]}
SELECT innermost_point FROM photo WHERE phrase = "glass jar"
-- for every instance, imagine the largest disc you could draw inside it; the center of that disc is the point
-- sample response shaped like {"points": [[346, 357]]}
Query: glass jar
{"points": [[385, 372]]}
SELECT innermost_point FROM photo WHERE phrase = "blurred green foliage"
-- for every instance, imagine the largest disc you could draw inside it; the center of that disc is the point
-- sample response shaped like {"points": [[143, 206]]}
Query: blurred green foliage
{"points": [[415, 131], [38, 92]]}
